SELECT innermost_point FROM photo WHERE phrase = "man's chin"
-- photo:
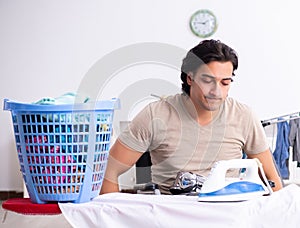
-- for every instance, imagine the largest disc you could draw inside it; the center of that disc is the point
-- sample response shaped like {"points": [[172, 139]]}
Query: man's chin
{"points": [[213, 107]]}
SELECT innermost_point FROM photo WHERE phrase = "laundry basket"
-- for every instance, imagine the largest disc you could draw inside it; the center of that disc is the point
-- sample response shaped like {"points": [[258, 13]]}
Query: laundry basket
{"points": [[62, 149]]}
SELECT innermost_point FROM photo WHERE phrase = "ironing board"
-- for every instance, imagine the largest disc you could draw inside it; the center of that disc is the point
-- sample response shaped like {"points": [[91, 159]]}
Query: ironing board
{"points": [[281, 209], [22, 212], [25, 206]]}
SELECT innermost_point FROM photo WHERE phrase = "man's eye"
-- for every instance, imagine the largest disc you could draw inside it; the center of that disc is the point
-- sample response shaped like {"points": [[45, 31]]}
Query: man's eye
{"points": [[226, 83], [207, 80]]}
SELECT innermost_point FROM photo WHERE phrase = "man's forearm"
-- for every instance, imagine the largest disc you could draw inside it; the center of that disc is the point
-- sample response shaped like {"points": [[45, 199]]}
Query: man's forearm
{"points": [[269, 168], [108, 186]]}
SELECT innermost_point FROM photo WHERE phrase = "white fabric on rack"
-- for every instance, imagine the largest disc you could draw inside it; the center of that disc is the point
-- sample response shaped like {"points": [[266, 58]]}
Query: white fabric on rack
{"points": [[280, 209]]}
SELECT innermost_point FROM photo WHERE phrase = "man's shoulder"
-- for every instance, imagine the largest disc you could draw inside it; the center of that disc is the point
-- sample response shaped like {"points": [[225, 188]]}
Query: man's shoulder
{"points": [[166, 106], [172, 100], [236, 106]]}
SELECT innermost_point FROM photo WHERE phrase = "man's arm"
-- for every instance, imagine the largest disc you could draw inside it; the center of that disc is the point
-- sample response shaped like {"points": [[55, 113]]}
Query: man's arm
{"points": [[121, 158], [269, 167]]}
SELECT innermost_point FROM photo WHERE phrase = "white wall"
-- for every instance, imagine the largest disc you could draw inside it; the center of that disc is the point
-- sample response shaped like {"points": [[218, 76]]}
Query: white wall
{"points": [[47, 48]]}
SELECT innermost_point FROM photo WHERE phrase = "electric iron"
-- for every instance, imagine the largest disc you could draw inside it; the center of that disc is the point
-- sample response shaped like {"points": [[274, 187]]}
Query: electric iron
{"points": [[219, 188]]}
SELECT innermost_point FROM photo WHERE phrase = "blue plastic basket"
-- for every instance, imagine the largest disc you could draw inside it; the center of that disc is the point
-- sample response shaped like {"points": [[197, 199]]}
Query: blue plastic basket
{"points": [[62, 149]]}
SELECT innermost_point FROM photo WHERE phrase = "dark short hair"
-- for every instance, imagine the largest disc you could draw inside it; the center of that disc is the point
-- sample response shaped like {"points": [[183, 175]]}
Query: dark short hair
{"points": [[205, 52]]}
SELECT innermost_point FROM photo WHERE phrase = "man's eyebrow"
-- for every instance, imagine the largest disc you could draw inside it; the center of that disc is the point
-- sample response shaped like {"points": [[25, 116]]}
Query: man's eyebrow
{"points": [[210, 76], [229, 78]]}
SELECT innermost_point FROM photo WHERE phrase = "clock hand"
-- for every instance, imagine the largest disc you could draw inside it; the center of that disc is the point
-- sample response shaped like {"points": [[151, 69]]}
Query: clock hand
{"points": [[202, 23]]}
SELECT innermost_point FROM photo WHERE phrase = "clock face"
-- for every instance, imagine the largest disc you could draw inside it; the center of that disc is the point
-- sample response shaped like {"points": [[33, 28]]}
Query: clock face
{"points": [[203, 23]]}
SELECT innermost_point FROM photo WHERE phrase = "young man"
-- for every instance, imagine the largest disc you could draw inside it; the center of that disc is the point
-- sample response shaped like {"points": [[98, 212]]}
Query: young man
{"points": [[192, 130]]}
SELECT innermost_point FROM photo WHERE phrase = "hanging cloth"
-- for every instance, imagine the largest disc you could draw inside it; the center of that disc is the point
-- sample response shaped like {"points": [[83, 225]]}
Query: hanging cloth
{"points": [[281, 152], [294, 139]]}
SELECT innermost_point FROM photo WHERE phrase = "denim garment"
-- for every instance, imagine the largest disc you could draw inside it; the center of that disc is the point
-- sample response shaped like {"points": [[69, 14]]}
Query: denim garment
{"points": [[281, 152]]}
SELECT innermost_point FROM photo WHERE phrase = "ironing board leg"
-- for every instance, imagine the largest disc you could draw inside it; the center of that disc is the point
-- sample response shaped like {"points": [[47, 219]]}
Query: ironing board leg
{"points": [[4, 216]]}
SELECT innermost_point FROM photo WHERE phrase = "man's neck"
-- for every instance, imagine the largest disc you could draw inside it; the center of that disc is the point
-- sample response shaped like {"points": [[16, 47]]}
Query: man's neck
{"points": [[202, 116], [205, 117]]}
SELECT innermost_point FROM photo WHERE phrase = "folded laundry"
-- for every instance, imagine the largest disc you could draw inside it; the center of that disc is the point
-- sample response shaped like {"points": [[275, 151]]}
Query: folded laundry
{"points": [[67, 98]]}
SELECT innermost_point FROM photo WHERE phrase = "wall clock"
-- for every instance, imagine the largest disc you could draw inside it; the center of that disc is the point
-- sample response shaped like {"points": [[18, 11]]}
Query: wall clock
{"points": [[203, 23]]}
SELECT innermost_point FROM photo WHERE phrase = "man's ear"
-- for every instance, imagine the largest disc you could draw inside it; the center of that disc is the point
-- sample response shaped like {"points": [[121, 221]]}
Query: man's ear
{"points": [[189, 78]]}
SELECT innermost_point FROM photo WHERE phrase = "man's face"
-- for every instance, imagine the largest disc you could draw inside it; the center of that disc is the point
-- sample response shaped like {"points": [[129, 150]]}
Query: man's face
{"points": [[210, 85]]}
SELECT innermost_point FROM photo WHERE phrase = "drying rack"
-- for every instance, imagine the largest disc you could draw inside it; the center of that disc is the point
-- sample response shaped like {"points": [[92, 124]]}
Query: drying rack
{"points": [[282, 118]]}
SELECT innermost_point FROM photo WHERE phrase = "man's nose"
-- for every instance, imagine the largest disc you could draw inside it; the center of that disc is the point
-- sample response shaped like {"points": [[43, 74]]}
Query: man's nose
{"points": [[215, 89]]}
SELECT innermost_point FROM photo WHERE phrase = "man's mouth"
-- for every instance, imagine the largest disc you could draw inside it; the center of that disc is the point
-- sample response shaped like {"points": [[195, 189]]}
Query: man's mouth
{"points": [[213, 98]]}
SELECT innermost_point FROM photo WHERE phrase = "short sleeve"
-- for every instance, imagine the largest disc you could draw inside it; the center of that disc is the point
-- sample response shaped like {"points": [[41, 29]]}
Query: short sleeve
{"points": [[138, 134], [256, 140]]}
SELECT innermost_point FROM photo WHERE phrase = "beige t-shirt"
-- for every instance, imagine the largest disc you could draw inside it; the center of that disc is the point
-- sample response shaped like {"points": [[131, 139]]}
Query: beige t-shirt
{"points": [[178, 143]]}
